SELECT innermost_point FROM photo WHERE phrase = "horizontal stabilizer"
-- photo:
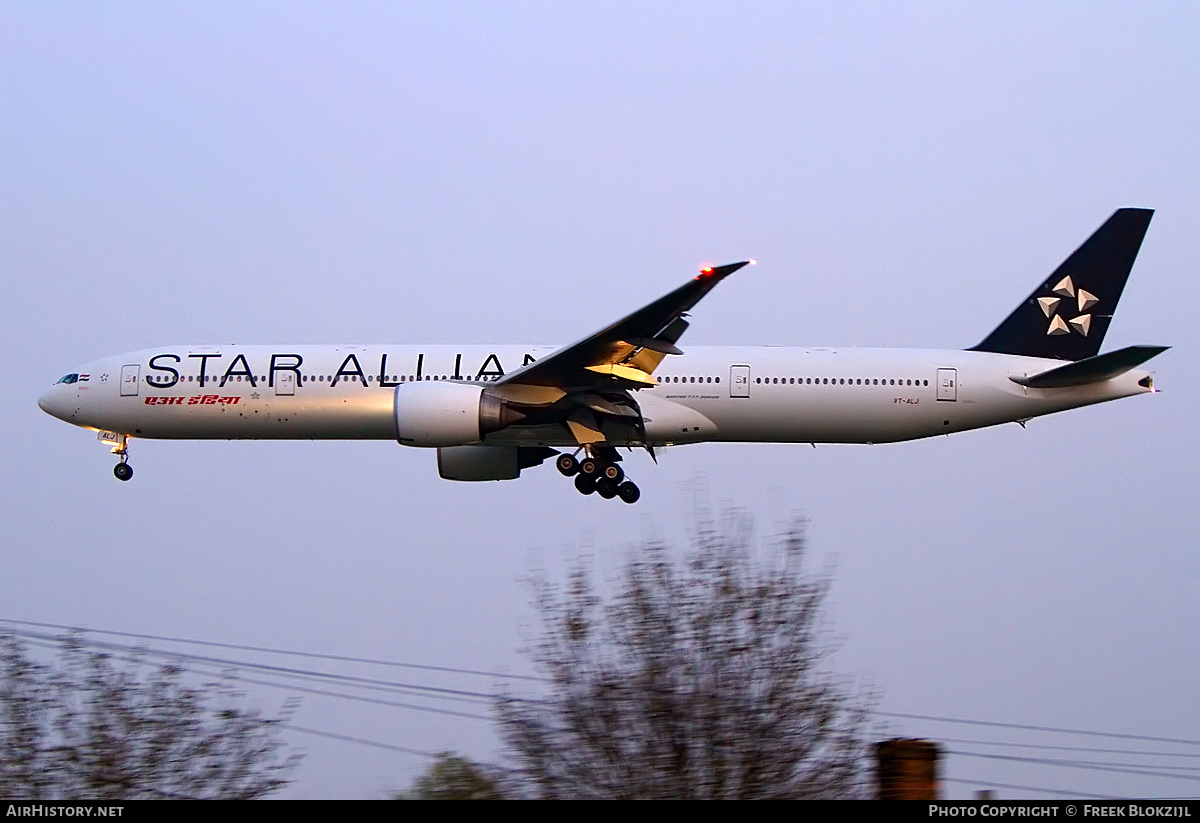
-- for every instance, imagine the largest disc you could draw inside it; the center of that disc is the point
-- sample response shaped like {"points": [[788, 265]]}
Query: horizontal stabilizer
{"points": [[1092, 369]]}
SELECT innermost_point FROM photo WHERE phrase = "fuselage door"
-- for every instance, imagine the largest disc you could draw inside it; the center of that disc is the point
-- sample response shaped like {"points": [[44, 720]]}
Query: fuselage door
{"points": [[947, 384], [129, 380], [285, 382], [739, 381]]}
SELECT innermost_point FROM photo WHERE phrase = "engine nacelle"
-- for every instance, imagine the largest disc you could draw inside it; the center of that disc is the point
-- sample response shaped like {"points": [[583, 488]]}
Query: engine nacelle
{"points": [[448, 413], [489, 462], [478, 463]]}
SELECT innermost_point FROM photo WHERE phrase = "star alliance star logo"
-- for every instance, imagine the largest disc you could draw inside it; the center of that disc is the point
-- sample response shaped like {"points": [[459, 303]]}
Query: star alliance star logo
{"points": [[1066, 292]]}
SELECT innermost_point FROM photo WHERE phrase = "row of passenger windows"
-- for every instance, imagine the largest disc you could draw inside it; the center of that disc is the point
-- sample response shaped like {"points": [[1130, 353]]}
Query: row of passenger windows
{"points": [[843, 381], [328, 378], [404, 378], [678, 379]]}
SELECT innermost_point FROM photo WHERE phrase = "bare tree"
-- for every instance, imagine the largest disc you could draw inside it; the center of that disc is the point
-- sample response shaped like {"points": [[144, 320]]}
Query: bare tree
{"points": [[92, 729], [700, 678]]}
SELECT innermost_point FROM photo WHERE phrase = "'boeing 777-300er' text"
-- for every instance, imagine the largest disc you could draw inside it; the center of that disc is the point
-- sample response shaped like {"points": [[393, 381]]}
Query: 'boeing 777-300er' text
{"points": [[491, 411]]}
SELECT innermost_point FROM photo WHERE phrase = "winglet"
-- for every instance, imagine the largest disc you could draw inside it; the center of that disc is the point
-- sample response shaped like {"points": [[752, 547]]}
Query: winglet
{"points": [[719, 273]]}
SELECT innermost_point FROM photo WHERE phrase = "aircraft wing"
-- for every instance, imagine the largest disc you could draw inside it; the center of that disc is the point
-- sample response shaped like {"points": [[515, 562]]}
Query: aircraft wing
{"points": [[623, 355], [587, 385]]}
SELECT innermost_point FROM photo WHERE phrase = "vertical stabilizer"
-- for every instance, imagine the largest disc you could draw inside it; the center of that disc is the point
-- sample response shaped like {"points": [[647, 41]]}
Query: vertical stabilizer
{"points": [[1067, 316]]}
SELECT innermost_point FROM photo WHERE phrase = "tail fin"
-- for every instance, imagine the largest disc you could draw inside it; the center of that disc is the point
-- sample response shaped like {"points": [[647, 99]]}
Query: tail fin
{"points": [[1067, 316]]}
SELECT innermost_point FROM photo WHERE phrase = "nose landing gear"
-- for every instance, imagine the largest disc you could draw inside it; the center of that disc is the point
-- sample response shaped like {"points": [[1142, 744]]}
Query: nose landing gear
{"points": [[598, 472], [122, 471]]}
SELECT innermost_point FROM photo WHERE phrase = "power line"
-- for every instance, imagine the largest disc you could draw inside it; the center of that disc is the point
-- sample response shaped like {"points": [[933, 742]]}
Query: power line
{"points": [[360, 740], [993, 785], [1077, 764], [1091, 749], [364, 699], [445, 693], [292, 652], [363, 682], [53, 643], [133, 658], [1028, 727]]}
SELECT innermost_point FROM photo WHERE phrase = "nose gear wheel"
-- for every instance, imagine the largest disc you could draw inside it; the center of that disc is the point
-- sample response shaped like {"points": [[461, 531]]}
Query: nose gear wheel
{"points": [[122, 471]]}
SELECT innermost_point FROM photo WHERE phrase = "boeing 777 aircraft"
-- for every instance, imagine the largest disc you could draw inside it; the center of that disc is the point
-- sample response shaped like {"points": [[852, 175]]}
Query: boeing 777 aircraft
{"points": [[491, 411]]}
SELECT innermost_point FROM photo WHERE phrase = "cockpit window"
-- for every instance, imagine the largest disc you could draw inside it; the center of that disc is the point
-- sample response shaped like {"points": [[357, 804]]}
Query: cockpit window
{"points": [[70, 378]]}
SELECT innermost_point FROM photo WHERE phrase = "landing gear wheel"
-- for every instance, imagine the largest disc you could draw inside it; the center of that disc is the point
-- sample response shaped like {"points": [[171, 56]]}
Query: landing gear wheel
{"points": [[606, 488], [629, 492], [585, 484], [614, 473], [123, 471], [567, 465], [589, 466]]}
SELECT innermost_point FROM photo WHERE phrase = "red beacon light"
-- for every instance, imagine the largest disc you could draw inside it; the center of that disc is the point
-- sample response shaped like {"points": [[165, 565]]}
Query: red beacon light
{"points": [[709, 271]]}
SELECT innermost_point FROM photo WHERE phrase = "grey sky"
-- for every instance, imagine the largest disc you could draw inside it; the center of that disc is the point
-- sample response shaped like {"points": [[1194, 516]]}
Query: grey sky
{"points": [[528, 172]]}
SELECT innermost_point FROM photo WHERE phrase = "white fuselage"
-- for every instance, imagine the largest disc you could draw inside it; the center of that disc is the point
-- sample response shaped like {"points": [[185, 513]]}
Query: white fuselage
{"points": [[746, 394]]}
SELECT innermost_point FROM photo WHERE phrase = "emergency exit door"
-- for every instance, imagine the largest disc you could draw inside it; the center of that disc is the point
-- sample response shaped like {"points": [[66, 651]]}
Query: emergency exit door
{"points": [[947, 384], [129, 380], [739, 381], [285, 383]]}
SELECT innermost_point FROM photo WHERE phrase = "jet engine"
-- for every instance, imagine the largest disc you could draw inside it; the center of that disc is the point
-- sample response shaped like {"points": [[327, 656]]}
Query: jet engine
{"points": [[446, 413], [489, 462]]}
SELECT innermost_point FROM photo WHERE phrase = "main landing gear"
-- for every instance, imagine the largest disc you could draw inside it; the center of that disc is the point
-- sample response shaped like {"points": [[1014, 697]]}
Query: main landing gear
{"points": [[122, 471], [598, 472]]}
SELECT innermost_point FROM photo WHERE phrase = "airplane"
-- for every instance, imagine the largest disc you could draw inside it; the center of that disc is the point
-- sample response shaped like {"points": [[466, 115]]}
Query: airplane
{"points": [[493, 411]]}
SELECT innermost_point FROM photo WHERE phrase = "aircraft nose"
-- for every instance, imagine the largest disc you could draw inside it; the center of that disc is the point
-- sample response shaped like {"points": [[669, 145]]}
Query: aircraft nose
{"points": [[52, 403]]}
